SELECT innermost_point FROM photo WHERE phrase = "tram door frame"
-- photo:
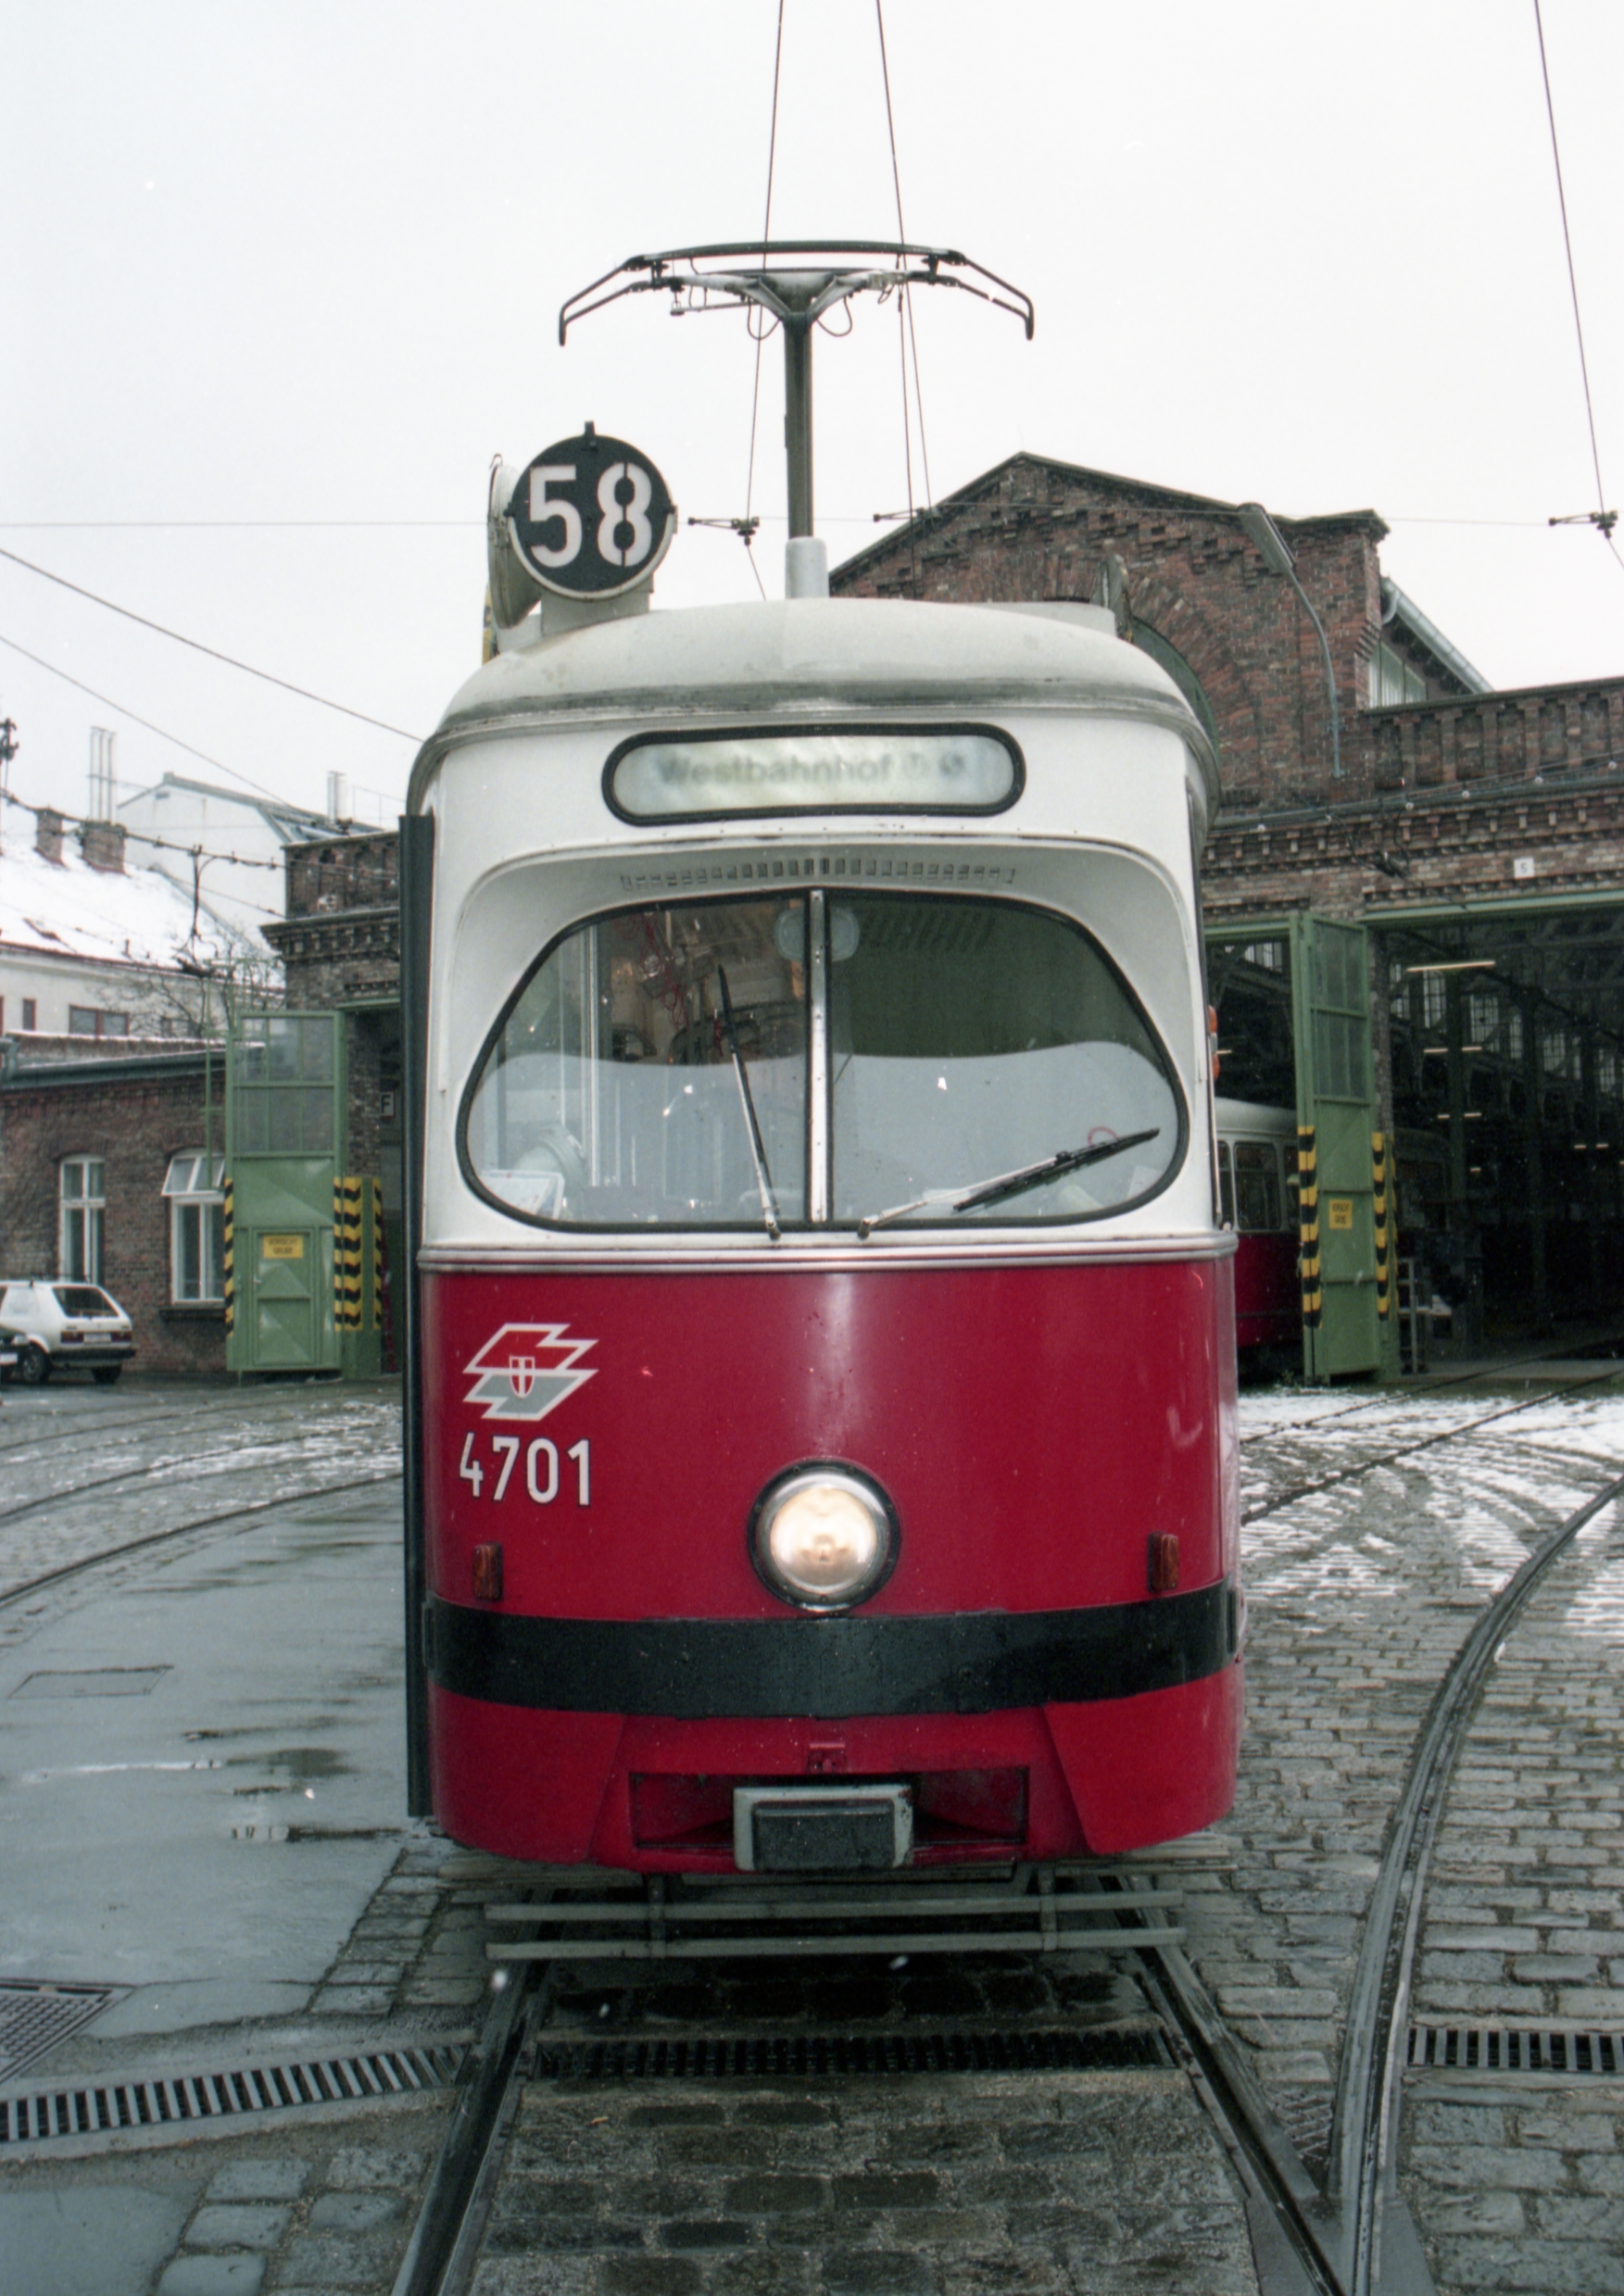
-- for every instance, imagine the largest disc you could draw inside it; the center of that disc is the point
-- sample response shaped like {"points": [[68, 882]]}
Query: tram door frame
{"points": [[1349, 1322]]}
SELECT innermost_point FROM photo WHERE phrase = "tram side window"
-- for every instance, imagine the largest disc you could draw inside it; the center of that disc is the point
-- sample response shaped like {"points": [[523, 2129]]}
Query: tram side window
{"points": [[1257, 1186], [1226, 1186], [613, 1096]]}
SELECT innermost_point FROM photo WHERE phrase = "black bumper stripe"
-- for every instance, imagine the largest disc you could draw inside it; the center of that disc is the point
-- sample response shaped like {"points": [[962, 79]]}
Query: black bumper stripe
{"points": [[694, 1669]]}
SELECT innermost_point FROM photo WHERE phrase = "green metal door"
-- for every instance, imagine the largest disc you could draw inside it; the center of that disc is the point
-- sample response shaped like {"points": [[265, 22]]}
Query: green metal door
{"points": [[284, 1112], [1345, 1329], [290, 1280]]}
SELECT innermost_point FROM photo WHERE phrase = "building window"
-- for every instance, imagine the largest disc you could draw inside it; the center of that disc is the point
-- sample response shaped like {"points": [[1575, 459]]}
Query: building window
{"points": [[193, 1190], [28, 1009], [83, 1212], [90, 1021], [1392, 682]]}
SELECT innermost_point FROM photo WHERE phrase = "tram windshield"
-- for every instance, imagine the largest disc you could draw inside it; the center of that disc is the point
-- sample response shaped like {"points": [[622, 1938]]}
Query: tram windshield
{"points": [[822, 1058]]}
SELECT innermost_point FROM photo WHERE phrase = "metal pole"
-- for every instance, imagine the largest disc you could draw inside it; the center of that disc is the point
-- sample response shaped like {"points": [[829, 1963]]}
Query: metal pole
{"points": [[1534, 1152], [798, 417], [1276, 556], [417, 863]]}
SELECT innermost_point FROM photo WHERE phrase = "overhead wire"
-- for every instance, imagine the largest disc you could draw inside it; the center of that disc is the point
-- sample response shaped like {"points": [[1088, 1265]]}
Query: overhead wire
{"points": [[222, 525], [135, 719], [1602, 519], [907, 334], [747, 528], [197, 647], [141, 836]]}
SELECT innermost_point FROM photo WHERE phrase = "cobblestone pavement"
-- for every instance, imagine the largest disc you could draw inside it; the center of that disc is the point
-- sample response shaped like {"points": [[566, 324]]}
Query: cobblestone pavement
{"points": [[1359, 1596], [1360, 1589], [145, 1455], [1032, 2184]]}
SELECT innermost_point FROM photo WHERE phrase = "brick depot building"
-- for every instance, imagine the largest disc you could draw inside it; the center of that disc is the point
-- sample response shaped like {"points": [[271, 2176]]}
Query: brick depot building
{"points": [[1475, 837], [115, 1138]]}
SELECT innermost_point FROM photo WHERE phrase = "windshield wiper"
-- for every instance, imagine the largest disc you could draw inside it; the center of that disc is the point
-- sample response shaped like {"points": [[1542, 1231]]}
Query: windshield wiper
{"points": [[757, 1149], [1010, 1182]]}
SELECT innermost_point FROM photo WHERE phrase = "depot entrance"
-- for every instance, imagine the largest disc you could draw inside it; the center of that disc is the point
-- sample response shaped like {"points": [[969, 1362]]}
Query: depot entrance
{"points": [[1505, 1020], [1293, 995], [1459, 1066]]}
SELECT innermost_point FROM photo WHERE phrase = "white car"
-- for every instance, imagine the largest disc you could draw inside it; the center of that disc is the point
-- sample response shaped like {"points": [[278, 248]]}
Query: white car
{"points": [[75, 1323]]}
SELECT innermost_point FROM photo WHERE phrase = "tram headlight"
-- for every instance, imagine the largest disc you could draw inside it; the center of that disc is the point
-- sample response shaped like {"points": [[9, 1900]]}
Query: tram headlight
{"points": [[823, 1537]]}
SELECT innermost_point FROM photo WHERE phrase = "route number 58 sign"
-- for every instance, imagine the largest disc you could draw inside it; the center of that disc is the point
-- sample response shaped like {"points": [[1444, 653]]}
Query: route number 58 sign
{"points": [[591, 516]]}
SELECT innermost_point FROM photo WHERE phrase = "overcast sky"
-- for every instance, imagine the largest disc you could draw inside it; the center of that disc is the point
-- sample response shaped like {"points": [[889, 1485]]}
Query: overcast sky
{"points": [[303, 262]]}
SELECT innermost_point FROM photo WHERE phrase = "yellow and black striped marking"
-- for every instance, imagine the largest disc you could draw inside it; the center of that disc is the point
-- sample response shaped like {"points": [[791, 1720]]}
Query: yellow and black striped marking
{"points": [[380, 1265], [228, 1284], [1383, 1230], [1308, 1218], [347, 1253]]}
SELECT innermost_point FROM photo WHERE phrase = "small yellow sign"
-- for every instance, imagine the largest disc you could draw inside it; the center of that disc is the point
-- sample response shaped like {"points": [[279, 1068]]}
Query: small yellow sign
{"points": [[281, 1248], [1342, 1211]]}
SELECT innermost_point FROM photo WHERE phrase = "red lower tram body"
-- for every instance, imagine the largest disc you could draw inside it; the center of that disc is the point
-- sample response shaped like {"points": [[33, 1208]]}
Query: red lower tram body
{"points": [[606, 1667], [1268, 1300]]}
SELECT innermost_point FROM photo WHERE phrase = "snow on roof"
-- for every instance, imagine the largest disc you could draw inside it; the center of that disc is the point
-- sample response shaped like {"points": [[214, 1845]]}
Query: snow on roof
{"points": [[65, 909]]}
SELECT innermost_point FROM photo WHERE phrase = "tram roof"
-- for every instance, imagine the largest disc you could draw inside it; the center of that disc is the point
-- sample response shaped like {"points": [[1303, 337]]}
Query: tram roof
{"points": [[806, 656]]}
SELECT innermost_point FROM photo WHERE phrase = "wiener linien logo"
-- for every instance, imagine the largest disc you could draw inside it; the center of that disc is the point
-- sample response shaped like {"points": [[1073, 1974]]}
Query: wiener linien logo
{"points": [[526, 1369]]}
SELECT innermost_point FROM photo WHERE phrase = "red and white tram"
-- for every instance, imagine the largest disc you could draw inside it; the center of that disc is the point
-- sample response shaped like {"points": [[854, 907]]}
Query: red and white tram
{"points": [[1257, 1197], [826, 1335], [823, 1413]]}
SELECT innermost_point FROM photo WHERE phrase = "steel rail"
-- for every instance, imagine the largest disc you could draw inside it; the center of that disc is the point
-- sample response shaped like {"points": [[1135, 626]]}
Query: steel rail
{"points": [[200, 1523], [1355, 2237], [444, 2247], [202, 1462], [1406, 1450], [1365, 2119], [98, 1422], [1393, 1397]]}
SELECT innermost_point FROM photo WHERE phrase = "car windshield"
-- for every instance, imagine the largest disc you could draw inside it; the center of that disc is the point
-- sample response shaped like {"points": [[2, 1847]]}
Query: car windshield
{"points": [[84, 1299], [822, 1057]]}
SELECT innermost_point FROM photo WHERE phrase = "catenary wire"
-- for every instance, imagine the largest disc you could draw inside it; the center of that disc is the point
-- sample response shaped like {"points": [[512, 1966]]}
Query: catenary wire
{"points": [[135, 719], [140, 836], [1573, 288], [907, 307], [749, 484], [213, 652]]}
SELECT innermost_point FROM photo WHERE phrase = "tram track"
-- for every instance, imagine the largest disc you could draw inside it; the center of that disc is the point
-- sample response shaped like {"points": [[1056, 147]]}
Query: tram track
{"points": [[1278, 1501], [252, 1507], [1384, 1398], [1344, 2231]]}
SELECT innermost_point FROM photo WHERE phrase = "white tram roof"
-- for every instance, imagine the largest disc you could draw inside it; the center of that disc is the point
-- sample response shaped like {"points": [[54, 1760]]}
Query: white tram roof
{"points": [[804, 657]]}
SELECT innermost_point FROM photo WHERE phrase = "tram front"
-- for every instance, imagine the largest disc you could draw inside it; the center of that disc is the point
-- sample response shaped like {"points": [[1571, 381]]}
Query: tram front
{"points": [[827, 1338]]}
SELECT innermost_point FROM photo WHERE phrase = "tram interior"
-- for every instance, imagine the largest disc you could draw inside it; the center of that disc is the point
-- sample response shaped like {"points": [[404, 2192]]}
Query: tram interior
{"points": [[1503, 1039], [671, 1064]]}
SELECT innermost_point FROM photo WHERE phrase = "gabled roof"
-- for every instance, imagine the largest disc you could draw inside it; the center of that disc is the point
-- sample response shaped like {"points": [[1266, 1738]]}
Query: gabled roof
{"points": [[65, 909], [1139, 489], [291, 824]]}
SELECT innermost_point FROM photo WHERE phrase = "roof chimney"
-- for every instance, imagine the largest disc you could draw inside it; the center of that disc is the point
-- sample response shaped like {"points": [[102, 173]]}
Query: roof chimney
{"points": [[102, 846], [48, 834]]}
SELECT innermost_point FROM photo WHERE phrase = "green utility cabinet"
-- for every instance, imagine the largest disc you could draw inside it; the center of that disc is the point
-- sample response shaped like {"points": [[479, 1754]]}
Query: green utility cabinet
{"points": [[285, 1131], [1346, 1241]]}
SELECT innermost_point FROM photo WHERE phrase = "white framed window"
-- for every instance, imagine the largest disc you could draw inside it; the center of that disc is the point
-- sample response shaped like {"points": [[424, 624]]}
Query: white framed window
{"points": [[193, 1192], [83, 1218]]}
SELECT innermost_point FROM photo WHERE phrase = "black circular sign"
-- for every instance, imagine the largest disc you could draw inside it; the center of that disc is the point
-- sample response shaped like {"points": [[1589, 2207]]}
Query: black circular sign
{"points": [[591, 516]]}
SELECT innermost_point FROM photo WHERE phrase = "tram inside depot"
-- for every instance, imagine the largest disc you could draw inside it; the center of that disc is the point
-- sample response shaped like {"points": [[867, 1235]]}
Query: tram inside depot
{"points": [[836, 1057]]}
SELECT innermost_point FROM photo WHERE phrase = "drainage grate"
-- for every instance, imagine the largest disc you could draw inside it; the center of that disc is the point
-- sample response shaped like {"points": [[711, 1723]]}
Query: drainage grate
{"points": [[1515, 2048], [797, 2055], [103, 1682], [34, 2017], [216, 2096]]}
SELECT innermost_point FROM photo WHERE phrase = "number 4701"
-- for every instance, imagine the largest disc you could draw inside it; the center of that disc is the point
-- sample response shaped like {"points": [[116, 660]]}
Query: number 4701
{"points": [[541, 1468]]}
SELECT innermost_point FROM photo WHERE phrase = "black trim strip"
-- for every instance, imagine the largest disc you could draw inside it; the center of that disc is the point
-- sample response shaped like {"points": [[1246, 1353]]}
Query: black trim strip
{"points": [[697, 1669]]}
